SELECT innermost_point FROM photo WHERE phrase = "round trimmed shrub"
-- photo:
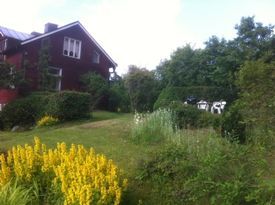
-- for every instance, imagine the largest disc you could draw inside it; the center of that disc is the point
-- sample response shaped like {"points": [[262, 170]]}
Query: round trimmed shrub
{"points": [[20, 112], [68, 105], [24, 111]]}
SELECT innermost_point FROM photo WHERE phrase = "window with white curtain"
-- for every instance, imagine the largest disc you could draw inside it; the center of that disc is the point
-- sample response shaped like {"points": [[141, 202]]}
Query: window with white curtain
{"points": [[72, 48]]}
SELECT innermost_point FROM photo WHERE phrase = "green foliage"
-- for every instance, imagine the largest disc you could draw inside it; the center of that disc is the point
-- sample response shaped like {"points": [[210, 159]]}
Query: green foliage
{"points": [[233, 125], [24, 111], [254, 39], [9, 76], [211, 171], [182, 68], [188, 116], [118, 97], [142, 88], [96, 86], [170, 94], [68, 105], [45, 79], [153, 127], [257, 81], [14, 194], [218, 64], [19, 112]]}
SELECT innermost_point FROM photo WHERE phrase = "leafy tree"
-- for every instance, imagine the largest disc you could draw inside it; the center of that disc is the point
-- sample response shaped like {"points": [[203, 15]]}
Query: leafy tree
{"points": [[217, 67], [119, 100], [142, 88], [96, 86], [257, 81], [254, 39], [182, 69]]}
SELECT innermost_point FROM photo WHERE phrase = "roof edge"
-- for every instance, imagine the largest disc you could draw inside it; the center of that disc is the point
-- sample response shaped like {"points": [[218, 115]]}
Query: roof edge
{"points": [[69, 26]]}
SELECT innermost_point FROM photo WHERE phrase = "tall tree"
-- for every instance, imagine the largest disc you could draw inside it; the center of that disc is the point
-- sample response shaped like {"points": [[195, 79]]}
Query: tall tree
{"points": [[257, 81], [142, 88], [254, 39], [182, 69], [96, 86]]}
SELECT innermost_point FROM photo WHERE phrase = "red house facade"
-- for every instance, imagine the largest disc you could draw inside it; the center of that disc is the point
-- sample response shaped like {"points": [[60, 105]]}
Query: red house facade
{"points": [[72, 50]]}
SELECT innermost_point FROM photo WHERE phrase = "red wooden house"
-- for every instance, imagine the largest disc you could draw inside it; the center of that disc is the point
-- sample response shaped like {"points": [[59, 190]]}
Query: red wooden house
{"points": [[73, 52]]}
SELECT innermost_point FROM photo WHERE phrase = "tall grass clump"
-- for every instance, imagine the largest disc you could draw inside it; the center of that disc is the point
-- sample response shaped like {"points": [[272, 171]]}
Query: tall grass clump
{"points": [[154, 127], [14, 194], [210, 170]]}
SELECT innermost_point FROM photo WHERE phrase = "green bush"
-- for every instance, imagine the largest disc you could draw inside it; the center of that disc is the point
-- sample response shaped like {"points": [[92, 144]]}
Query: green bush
{"points": [[68, 105], [187, 116], [24, 111], [119, 100], [212, 171], [20, 112], [233, 126], [170, 94], [97, 87]]}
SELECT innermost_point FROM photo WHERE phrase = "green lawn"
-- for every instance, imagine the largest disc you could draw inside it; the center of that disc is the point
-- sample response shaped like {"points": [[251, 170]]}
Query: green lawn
{"points": [[106, 132]]}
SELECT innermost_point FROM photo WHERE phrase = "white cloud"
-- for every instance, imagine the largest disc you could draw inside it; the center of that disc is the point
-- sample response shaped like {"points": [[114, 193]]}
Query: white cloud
{"points": [[135, 32]]}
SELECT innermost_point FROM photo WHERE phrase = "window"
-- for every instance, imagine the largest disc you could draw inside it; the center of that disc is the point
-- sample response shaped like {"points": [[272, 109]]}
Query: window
{"points": [[3, 44], [72, 48], [96, 57], [56, 74]]}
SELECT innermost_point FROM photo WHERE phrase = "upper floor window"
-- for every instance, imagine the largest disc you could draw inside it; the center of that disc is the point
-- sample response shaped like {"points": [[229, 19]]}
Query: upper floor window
{"points": [[96, 57], [72, 47]]}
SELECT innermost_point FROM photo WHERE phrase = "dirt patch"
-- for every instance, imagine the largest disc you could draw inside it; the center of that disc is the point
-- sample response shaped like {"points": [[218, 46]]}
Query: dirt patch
{"points": [[99, 124]]}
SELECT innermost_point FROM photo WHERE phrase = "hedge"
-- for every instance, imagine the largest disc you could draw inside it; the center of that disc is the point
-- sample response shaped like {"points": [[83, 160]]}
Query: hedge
{"points": [[68, 105], [65, 105], [212, 93]]}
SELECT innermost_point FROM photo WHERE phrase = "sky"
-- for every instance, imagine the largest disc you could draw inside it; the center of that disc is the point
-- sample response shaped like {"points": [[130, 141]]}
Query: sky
{"points": [[139, 32]]}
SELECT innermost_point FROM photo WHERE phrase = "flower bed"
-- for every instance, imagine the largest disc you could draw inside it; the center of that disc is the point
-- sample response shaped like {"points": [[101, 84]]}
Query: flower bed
{"points": [[73, 176]]}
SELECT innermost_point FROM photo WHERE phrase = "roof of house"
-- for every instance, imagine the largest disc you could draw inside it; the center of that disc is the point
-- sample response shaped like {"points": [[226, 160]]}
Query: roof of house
{"points": [[77, 23], [28, 38], [14, 34]]}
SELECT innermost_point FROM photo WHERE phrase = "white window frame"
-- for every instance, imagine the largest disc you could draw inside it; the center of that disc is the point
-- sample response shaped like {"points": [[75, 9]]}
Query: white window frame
{"points": [[76, 53], [96, 57], [58, 76], [4, 44]]}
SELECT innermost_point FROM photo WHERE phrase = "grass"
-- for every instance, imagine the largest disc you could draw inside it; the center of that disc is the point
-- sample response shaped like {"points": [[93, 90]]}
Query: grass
{"points": [[108, 133]]}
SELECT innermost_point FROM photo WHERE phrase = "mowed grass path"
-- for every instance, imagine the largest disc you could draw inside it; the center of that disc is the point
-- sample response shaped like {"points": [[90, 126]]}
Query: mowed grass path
{"points": [[108, 133]]}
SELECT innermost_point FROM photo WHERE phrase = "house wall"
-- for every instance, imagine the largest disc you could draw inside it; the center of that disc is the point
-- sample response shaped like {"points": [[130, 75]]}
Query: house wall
{"points": [[72, 68], [15, 59]]}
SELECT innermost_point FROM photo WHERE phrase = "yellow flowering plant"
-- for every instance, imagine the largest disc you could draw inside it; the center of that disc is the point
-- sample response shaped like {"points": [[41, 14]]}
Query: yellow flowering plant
{"points": [[47, 120], [80, 176]]}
